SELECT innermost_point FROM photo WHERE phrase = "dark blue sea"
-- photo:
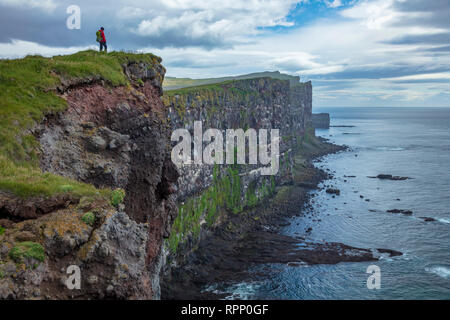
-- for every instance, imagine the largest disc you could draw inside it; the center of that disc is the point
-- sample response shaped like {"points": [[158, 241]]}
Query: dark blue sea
{"points": [[409, 142]]}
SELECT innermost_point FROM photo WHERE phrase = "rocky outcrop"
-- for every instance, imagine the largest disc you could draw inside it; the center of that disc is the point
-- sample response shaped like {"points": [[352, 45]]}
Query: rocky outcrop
{"points": [[321, 120], [113, 137]]}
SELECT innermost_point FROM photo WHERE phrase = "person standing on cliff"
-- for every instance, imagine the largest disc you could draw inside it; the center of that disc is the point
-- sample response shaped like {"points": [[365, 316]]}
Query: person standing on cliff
{"points": [[102, 39]]}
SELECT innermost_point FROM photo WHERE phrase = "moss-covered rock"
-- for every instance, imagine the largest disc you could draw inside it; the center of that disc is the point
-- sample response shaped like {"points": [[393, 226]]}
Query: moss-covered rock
{"points": [[88, 218], [64, 231], [117, 197], [27, 249]]}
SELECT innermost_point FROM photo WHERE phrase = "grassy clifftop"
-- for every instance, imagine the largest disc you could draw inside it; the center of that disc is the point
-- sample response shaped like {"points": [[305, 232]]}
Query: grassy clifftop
{"points": [[171, 83], [28, 92]]}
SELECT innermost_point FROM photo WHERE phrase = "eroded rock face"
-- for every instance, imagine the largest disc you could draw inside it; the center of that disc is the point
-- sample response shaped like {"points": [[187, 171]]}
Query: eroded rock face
{"points": [[114, 137], [120, 244], [112, 257], [262, 103], [18, 209]]}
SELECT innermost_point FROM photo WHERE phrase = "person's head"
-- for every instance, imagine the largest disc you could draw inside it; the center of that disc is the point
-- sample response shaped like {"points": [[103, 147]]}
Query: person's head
{"points": [[102, 28]]}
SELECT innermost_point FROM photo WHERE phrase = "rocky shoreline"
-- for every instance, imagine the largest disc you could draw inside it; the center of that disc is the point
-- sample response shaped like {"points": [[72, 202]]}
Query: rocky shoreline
{"points": [[253, 237]]}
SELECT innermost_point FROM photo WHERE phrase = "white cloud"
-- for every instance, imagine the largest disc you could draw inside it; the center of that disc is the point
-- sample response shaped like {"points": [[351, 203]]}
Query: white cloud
{"points": [[380, 14], [373, 14], [48, 5], [426, 76], [127, 12], [19, 49], [333, 3], [226, 21]]}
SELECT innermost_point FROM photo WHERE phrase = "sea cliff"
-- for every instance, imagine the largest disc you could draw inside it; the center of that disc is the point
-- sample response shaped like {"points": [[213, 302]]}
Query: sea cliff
{"points": [[85, 176], [87, 179], [207, 192]]}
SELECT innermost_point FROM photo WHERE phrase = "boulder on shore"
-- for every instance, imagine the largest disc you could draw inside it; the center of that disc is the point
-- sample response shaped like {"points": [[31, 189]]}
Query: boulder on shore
{"points": [[333, 191]]}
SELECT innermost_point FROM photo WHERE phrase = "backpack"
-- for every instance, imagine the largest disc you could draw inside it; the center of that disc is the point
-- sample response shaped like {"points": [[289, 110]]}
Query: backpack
{"points": [[99, 36]]}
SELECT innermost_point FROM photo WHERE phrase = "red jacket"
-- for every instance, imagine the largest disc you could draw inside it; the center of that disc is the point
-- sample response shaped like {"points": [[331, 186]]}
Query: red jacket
{"points": [[103, 35]]}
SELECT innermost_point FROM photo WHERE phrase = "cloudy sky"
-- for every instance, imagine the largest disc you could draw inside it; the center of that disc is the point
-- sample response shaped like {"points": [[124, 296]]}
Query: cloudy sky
{"points": [[356, 52]]}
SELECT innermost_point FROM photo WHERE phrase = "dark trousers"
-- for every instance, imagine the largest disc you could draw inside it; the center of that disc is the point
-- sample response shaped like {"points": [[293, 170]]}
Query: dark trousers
{"points": [[103, 45]]}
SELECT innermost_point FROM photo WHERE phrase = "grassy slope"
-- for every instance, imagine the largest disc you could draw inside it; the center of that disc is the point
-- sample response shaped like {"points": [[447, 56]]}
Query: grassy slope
{"points": [[26, 95], [198, 88], [171, 83]]}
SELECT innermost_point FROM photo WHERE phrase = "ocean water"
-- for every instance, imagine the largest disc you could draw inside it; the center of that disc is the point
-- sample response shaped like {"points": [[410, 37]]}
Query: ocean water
{"points": [[412, 142]]}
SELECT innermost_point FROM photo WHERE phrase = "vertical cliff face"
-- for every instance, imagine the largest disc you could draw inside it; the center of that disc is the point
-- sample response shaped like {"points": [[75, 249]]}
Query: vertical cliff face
{"points": [[119, 139], [302, 95], [208, 192], [114, 137]]}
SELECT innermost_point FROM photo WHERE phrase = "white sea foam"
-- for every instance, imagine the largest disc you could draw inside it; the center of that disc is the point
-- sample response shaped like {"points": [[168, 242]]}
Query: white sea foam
{"points": [[441, 271], [240, 291], [444, 220], [390, 148]]}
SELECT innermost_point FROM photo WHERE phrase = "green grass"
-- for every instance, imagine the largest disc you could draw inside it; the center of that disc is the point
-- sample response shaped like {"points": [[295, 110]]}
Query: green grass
{"points": [[88, 218], [27, 94], [210, 96], [221, 87], [2, 230], [117, 197], [27, 249], [28, 181], [175, 83], [205, 87], [223, 195], [171, 83]]}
